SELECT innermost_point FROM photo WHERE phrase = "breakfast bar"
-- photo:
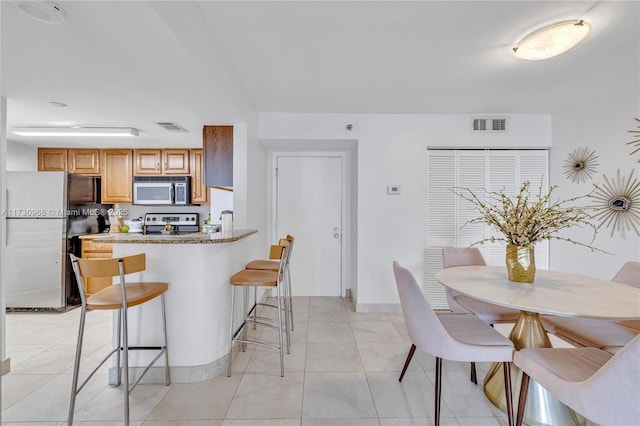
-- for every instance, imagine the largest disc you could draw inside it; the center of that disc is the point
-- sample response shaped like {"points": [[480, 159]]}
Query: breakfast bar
{"points": [[197, 302]]}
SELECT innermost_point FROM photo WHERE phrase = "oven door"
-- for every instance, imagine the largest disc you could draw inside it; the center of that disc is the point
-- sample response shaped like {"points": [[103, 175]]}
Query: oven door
{"points": [[152, 193]]}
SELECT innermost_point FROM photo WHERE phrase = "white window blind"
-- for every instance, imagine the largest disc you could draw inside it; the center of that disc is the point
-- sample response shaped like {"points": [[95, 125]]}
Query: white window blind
{"points": [[477, 170]]}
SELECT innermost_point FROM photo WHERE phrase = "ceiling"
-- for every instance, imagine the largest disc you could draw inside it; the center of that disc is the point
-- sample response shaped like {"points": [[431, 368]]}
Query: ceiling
{"points": [[132, 64]]}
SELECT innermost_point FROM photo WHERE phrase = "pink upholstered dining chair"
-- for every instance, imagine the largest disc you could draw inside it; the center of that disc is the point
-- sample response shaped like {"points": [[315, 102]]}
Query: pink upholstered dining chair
{"points": [[462, 337], [602, 387], [608, 335], [460, 303]]}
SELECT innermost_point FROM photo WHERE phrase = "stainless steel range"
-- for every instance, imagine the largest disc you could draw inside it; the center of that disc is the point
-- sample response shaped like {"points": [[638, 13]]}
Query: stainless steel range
{"points": [[173, 223]]}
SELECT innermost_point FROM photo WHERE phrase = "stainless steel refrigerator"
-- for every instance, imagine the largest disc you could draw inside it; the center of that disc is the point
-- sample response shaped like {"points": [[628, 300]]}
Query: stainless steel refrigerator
{"points": [[45, 212]]}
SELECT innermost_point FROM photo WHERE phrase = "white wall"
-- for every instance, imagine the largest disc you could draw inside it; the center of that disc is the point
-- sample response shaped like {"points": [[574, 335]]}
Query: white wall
{"points": [[602, 126], [391, 149], [21, 157]]}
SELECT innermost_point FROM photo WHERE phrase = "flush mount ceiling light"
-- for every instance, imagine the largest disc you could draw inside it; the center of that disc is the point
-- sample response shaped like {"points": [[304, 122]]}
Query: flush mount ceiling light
{"points": [[75, 131], [552, 40], [43, 11]]}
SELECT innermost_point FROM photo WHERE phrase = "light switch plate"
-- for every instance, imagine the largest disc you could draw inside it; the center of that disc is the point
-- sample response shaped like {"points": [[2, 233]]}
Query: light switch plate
{"points": [[393, 189]]}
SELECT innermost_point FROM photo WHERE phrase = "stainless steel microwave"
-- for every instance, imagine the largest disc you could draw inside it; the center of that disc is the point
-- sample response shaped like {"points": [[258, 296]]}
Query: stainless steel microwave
{"points": [[161, 190]]}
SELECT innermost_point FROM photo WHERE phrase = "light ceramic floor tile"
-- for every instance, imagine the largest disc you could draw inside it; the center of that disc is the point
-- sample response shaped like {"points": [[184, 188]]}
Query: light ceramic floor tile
{"points": [[182, 423], [463, 398], [50, 402], [411, 398], [418, 422], [328, 382], [108, 404], [330, 309], [340, 422], [267, 396], [17, 386], [375, 331], [197, 401], [329, 356], [330, 332], [266, 360], [380, 356], [337, 395], [262, 422]]}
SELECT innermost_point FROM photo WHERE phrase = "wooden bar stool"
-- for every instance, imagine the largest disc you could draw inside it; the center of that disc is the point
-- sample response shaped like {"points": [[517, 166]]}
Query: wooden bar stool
{"points": [[259, 278], [117, 297], [273, 265]]}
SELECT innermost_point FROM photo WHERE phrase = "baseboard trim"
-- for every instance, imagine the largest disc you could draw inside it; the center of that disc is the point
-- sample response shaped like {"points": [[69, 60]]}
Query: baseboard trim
{"points": [[6, 366]]}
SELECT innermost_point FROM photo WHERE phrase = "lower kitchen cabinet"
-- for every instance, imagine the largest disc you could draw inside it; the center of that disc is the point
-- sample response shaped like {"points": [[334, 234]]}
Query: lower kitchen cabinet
{"points": [[93, 249]]}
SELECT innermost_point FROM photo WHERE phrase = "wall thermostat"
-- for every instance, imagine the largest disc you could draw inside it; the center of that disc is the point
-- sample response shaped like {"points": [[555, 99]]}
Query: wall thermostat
{"points": [[393, 189]]}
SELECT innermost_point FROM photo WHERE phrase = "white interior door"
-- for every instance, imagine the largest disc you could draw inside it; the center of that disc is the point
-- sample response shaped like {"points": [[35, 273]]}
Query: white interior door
{"points": [[309, 206]]}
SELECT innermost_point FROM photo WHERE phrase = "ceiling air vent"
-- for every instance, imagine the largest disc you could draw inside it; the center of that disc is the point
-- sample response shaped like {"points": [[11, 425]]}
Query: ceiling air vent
{"points": [[489, 124], [172, 127]]}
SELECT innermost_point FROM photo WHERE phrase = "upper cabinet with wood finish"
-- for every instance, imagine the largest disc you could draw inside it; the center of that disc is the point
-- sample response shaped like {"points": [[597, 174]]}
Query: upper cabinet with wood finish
{"points": [[218, 156], [161, 162], [199, 192], [117, 175], [52, 159], [83, 161]]}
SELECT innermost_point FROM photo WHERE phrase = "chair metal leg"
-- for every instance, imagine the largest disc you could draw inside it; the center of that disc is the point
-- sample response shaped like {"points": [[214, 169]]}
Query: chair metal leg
{"points": [[125, 364], [507, 391], [286, 315], [474, 377], [288, 276], [245, 317], [522, 399], [233, 293], [119, 346], [438, 391], [76, 367], [406, 363], [280, 331], [166, 349]]}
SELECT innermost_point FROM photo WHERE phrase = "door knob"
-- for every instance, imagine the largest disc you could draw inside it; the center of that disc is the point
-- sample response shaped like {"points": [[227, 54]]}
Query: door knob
{"points": [[336, 235]]}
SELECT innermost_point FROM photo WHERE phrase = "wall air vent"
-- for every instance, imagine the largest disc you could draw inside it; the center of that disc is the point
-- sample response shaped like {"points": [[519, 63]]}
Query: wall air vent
{"points": [[489, 124], [172, 127]]}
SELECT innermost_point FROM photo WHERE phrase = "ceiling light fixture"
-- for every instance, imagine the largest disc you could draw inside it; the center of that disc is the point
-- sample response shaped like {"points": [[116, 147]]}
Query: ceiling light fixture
{"points": [[75, 131], [44, 11], [552, 40]]}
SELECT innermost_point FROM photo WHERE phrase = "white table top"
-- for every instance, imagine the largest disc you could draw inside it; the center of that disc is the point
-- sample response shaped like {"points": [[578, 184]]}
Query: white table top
{"points": [[556, 293]]}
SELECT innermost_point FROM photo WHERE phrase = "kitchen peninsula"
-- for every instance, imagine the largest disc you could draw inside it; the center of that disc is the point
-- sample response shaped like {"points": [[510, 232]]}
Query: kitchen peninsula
{"points": [[197, 268]]}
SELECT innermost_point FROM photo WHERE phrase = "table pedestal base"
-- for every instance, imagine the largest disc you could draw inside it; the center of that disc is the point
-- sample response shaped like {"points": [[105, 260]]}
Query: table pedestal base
{"points": [[542, 407]]}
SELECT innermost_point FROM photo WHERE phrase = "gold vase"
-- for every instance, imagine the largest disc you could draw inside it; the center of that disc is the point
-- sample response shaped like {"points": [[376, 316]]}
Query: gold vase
{"points": [[521, 265]]}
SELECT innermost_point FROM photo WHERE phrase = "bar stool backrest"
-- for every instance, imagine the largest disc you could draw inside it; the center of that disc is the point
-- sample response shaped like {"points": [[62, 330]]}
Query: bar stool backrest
{"points": [[102, 268]]}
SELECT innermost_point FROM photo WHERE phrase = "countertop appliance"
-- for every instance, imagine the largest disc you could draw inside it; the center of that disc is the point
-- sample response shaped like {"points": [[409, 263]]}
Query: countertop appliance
{"points": [[171, 223], [161, 190], [46, 213]]}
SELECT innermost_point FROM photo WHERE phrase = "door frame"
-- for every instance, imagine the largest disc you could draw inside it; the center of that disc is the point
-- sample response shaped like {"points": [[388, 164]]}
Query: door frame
{"points": [[345, 214]]}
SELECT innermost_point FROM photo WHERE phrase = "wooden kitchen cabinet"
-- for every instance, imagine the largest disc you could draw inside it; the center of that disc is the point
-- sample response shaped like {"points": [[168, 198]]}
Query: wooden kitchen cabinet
{"points": [[94, 249], [161, 162], [52, 159], [117, 175], [218, 156], [199, 192], [147, 162], [83, 161]]}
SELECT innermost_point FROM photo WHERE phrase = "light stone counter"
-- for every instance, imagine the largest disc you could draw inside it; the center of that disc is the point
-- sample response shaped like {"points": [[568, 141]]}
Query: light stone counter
{"points": [[196, 238], [197, 268]]}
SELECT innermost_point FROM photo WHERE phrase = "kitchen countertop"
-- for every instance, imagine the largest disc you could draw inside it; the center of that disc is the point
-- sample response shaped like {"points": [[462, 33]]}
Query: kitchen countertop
{"points": [[195, 238]]}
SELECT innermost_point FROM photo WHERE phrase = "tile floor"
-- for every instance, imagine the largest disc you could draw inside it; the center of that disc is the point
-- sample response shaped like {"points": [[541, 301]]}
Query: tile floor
{"points": [[342, 371]]}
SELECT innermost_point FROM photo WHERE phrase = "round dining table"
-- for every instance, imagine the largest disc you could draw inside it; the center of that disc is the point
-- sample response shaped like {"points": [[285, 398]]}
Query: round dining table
{"points": [[553, 293]]}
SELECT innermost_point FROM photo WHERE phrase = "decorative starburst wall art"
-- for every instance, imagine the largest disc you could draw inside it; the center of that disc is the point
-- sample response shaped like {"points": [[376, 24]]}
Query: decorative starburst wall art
{"points": [[618, 204], [635, 143], [580, 165]]}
